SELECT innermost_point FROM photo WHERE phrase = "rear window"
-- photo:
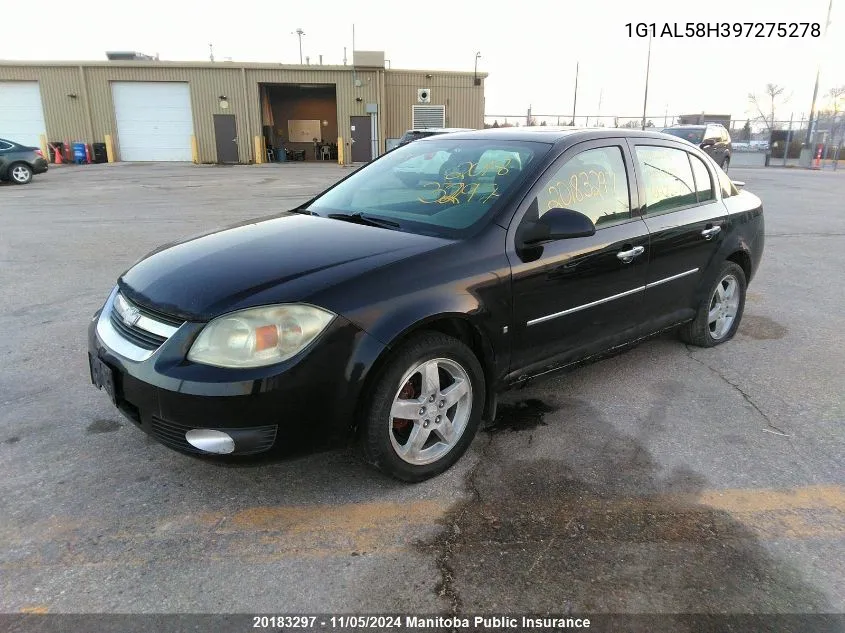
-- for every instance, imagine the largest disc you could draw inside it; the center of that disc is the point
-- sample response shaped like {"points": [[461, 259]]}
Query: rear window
{"points": [[437, 187], [414, 136], [694, 136]]}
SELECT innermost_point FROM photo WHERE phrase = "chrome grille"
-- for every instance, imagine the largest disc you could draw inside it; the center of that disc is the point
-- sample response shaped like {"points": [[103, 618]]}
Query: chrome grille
{"points": [[136, 335], [141, 326]]}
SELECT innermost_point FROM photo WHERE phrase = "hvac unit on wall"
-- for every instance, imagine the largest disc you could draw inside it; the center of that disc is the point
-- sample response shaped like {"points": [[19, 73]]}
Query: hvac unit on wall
{"points": [[424, 95]]}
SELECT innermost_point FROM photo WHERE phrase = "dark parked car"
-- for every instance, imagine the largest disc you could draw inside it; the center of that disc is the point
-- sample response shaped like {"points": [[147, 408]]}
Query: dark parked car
{"points": [[393, 313], [713, 138], [18, 162], [417, 134]]}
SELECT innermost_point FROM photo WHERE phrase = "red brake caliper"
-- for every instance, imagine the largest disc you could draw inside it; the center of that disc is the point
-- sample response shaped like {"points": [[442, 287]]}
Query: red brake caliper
{"points": [[406, 393]]}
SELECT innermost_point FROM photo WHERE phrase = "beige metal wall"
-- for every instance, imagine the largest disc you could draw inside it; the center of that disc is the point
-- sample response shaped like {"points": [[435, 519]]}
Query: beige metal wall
{"points": [[90, 115], [464, 101]]}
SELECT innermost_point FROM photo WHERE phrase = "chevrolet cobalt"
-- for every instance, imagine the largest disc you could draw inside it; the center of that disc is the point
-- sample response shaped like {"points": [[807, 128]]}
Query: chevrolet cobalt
{"points": [[390, 309]]}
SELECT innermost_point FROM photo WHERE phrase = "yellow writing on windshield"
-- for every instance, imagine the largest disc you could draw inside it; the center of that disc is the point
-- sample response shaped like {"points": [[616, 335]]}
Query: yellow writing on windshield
{"points": [[456, 193], [475, 170]]}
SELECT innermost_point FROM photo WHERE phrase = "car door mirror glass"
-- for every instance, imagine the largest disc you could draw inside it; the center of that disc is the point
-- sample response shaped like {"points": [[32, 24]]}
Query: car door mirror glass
{"points": [[558, 224]]}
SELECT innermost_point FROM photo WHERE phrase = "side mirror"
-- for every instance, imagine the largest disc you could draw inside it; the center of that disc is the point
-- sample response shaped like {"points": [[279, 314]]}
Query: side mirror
{"points": [[707, 142], [738, 184], [558, 224]]}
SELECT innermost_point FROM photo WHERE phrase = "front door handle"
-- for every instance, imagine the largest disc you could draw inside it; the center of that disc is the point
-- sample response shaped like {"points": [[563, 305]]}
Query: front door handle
{"points": [[710, 233], [626, 257]]}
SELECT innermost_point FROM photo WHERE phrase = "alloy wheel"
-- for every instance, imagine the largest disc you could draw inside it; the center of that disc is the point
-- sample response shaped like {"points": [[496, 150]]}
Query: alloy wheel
{"points": [[723, 307], [20, 174], [430, 411]]}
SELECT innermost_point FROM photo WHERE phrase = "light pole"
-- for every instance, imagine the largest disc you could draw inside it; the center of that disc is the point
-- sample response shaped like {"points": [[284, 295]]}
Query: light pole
{"points": [[811, 123], [300, 33], [575, 97], [647, 68], [475, 80]]}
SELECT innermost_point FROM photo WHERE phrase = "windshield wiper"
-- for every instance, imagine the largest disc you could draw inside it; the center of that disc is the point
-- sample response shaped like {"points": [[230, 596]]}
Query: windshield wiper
{"points": [[360, 218]]}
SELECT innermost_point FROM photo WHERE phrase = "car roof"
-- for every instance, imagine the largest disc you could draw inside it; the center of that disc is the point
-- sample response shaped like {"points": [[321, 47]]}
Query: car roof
{"points": [[440, 130], [691, 125], [554, 134]]}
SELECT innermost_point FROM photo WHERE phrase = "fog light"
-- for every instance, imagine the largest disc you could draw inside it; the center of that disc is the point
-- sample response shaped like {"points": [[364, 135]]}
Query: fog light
{"points": [[211, 441]]}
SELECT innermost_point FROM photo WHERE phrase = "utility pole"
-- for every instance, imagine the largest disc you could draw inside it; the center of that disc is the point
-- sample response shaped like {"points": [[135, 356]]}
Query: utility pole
{"points": [[812, 124], [299, 32], [575, 98], [647, 69]]}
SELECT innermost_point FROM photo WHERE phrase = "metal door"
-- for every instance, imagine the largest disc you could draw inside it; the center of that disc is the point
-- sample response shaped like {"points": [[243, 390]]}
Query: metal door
{"points": [[361, 139], [226, 137]]}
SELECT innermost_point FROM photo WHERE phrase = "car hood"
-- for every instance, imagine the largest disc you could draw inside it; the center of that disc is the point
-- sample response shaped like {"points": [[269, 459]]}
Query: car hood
{"points": [[290, 257]]}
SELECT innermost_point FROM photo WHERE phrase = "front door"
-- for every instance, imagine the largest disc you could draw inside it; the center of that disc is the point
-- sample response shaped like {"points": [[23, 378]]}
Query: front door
{"points": [[226, 137], [362, 139], [685, 219], [575, 296]]}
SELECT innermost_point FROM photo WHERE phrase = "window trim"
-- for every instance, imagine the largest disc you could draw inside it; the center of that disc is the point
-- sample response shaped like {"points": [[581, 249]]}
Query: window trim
{"points": [[690, 156]]}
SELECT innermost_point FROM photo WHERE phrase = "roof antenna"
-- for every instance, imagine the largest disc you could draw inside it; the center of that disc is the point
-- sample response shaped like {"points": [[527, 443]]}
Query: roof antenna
{"points": [[211, 51]]}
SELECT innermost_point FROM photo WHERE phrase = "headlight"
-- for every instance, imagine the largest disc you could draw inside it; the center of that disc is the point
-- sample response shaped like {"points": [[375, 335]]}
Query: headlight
{"points": [[259, 336]]}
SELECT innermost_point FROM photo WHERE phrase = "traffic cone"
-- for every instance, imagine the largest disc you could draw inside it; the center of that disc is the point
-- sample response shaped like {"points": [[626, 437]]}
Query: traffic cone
{"points": [[57, 155]]}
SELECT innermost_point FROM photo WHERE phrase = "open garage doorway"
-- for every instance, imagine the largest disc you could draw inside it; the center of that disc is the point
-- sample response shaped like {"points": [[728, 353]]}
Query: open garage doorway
{"points": [[299, 121]]}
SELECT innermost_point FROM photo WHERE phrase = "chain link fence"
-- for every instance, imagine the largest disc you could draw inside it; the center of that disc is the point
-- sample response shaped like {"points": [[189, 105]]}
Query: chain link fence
{"points": [[755, 142]]}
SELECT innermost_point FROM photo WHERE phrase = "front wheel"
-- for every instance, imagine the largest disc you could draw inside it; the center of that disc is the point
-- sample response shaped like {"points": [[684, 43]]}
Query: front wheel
{"points": [[717, 319], [425, 408], [20, 174]]}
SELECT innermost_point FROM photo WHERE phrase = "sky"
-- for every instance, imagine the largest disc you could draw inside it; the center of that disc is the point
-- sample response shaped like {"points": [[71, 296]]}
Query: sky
{"points": [[530, 50]]}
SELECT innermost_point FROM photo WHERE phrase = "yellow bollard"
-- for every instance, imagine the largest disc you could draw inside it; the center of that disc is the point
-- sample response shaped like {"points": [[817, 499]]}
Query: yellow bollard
{"points": [[195, 151], [45, 151], [340, 150], [109, 148], [260, 151]]}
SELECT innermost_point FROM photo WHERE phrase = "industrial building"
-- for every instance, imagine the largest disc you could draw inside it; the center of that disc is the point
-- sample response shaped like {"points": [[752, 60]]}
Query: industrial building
{"points": [[229, 112]]}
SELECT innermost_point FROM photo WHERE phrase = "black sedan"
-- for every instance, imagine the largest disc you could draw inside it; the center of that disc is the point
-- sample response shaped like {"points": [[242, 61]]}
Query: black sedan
{"points": [[391, 311], [19, 162]]}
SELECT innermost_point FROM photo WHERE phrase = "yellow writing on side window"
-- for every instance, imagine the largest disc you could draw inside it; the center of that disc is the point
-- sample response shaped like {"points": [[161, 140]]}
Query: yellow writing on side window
{"points": [[581, 186]]}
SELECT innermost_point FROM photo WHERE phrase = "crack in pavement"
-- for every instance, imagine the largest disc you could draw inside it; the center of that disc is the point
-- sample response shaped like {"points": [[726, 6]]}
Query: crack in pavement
{"points": [[770, 427], [446, 587]]}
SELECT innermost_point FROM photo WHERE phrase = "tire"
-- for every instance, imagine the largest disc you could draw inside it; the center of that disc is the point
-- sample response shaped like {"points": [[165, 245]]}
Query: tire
{"points": [[726, 163], [706, 329], [19, 173], [433, 435]]}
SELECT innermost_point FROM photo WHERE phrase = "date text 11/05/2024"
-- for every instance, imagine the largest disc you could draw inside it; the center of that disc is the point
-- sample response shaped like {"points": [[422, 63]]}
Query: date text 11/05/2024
{"points": [[724, 29]]}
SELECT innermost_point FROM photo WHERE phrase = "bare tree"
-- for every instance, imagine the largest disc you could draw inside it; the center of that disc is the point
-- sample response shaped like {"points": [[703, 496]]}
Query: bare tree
{"points": [[773, 91]]}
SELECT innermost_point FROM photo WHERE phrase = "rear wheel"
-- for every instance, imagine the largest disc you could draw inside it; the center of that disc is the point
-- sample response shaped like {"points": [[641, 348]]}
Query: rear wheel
{"points": [[425, 408], [726, 162], [718, 318], [20, 173]]}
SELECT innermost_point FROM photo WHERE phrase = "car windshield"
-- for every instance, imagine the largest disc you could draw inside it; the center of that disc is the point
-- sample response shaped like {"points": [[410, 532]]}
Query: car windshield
{"points": [[438, 186], [694, 135]]}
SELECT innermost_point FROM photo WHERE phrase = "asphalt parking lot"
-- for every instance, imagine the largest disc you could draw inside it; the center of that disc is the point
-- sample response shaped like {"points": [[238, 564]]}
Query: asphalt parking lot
{"points": [[664, 480]]}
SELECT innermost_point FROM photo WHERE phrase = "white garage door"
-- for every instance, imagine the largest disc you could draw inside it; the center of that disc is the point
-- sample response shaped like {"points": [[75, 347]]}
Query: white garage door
{"points": [[21, 114], [153, 120]]}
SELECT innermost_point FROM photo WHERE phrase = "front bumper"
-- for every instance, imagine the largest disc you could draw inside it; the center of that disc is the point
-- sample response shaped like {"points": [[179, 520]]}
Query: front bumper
{"points": [[307, 400]]}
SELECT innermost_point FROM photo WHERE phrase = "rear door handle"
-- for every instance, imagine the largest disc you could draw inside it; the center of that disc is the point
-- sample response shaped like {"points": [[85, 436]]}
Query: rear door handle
{"points": [[626, 257], [710, 233]]}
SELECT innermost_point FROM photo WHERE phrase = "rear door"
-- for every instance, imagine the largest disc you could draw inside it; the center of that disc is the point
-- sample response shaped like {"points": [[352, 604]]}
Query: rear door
{"points": [[685, 219], [574, 296]]}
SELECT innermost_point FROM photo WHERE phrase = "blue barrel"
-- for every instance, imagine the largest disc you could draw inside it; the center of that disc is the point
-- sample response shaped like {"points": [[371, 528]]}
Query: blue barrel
{"points": [[79, 153]]}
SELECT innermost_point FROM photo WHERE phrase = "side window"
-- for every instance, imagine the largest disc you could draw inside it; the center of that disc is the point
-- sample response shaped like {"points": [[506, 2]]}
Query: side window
{"points": [[4, 146], [703, 184], [594, 183], [667, 177]]}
